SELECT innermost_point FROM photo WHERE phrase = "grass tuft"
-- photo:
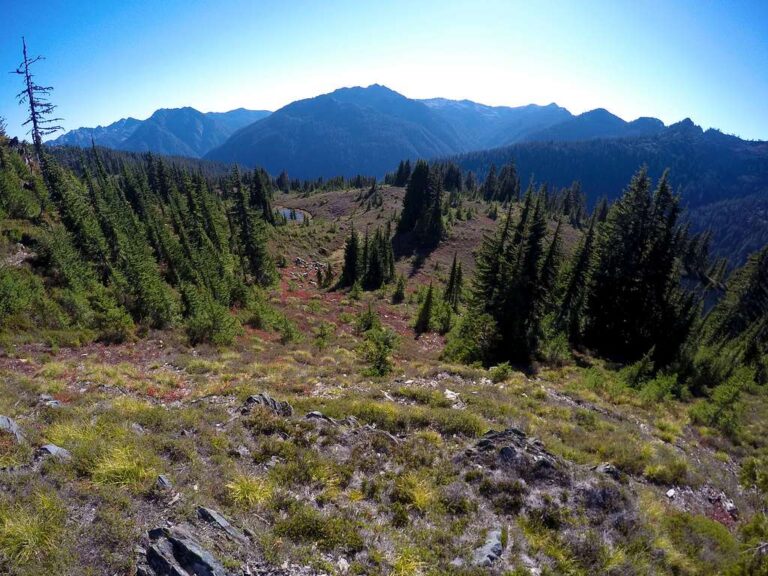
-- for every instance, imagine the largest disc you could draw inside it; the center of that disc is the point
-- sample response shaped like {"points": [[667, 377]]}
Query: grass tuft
{"points": [[248, 492]]}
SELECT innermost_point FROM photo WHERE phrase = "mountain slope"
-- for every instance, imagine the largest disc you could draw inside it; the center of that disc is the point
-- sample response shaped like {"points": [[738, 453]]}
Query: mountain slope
{"points": [[598, 123], [347, 132], [722, 180], [707, 166], [368, 130], [110, 136], [173, 131], [482, 126]]}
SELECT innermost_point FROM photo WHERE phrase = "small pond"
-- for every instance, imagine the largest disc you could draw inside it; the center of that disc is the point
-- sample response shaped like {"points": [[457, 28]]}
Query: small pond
{"points": [[293, 214]]}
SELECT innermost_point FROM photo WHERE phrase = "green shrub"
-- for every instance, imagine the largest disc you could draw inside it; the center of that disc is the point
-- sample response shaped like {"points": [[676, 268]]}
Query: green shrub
{"points": [[289, 333], [376, 351], [723, 409], [208, 320], [662, 388], [707, 543], [305, 524], [323, 334], [472, 339], [669, 471], [415, 491], [501, 372]]}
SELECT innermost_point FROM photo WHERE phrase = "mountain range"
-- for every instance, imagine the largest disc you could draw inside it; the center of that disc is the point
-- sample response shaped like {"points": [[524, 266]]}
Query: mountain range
{"points": [[170, 131], [369, 130], [352, 131]]}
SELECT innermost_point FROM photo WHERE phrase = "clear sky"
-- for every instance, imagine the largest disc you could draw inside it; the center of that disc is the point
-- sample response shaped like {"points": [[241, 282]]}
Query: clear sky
{"points": [[109, 59]]}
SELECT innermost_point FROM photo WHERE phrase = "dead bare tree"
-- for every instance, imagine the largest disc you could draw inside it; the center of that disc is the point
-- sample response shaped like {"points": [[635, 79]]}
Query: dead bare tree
{"points": [[35, 97]]}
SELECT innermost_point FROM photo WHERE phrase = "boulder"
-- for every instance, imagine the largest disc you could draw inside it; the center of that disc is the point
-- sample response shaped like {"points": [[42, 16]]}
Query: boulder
{"points": [[279, 407], [56, 452], [609, 470], [489, 552], [9, 426], [175, 552], [215, 518], [163, 483]]}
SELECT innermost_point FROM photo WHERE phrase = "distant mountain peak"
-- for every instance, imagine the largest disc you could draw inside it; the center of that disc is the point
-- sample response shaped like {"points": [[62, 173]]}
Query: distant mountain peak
{"points": [[174, 131]]}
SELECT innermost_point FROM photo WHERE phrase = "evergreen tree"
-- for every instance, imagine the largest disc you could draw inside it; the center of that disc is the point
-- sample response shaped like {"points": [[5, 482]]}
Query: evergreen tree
{"points": [[35, 97], [491, 184], [509, 184], [251, 234], [403, 173], [431, 222], [550, 267], [398, 296], [470, 183], [571, 316], [352, 265], [636, 301], [513, 288], [741, 318], [424, 317], [283, 182], [452, 295], [416, 197]]}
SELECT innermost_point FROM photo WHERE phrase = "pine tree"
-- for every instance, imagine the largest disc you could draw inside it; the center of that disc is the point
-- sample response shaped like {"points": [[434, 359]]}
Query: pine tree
{"points": [[571, 316], [251, 234], [35, 97], [260, 195], [416, 197], [398, 296], [352, 265], [491, 184], [424, 317], [403, 173], [509, 184], [636, 301], [283, 182], [550, 269], [470, 183], [431, 222], [744, 309], [452, 295]]}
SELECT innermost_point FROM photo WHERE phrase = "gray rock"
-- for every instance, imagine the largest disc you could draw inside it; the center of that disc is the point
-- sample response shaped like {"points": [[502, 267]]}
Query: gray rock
{"points": [[163, 482], [49, 401], [609, 470], [489, 552], [240, 452], [279, 407], [317, 415], [508, 454], [9, 426], [56, 451], [210, 515], [175, 552], [320, 417]]}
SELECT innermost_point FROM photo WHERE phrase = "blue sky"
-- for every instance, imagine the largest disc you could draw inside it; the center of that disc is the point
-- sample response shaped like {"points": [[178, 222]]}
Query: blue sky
{"points": [[110, 59]]}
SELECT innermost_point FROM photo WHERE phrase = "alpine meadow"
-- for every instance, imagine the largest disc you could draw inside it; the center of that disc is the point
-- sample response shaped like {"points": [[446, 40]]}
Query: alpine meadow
{"points": [[333, 329]]}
